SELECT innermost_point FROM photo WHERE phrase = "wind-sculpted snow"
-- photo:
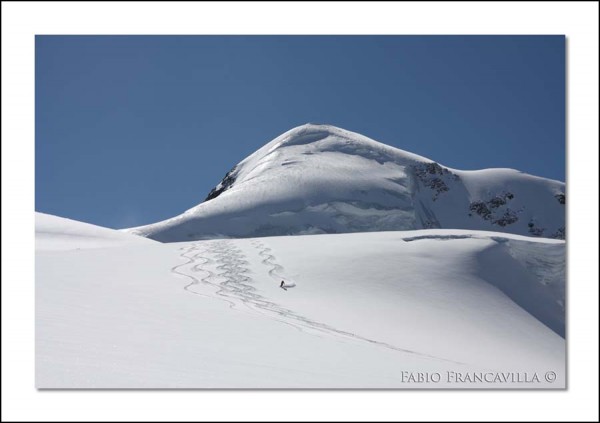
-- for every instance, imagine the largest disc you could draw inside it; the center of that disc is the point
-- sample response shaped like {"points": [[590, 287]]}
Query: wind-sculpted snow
{"points": [[531, 273], [438, 237], [318, 179]]}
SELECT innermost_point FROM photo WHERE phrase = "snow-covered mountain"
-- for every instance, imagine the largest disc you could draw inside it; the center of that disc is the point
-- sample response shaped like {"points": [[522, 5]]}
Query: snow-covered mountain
{"points": [[454, 273], [317, 179]]}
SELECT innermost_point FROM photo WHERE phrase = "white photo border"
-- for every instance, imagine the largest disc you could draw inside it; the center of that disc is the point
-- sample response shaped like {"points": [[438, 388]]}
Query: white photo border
{"points": [[21, 21]]}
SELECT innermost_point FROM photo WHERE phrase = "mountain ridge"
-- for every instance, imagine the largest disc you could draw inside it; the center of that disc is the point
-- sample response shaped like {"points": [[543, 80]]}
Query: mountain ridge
{"points": [[324, 179]]}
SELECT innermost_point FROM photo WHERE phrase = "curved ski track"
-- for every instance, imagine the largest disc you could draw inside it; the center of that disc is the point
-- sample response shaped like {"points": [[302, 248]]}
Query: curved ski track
{"points": [[235, 288]]}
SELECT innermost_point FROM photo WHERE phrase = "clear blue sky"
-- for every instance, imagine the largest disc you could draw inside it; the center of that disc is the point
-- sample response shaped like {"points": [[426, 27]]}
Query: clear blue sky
{"points": [[132, 130]]}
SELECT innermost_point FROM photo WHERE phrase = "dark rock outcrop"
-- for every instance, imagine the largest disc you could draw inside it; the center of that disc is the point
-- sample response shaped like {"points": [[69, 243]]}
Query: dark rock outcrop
{"points": [[435, 177], [559, 234], [223, 186], [490, 209]]}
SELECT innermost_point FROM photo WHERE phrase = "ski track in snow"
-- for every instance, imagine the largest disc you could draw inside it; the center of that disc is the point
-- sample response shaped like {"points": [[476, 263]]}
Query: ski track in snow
{"points": [[236, 289], [269, 260], [194, 281]]}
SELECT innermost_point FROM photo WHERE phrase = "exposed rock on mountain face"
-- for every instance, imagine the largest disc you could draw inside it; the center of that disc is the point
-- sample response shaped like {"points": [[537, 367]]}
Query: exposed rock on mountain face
{"points": [[494, 211], [322, 179], [434, 176], [223, 186], [559, 234]]}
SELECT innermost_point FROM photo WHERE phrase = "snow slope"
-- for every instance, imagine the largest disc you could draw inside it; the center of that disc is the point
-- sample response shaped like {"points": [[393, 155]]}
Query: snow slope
{"points": [[322, 179], [368, 310], [59, 233]]}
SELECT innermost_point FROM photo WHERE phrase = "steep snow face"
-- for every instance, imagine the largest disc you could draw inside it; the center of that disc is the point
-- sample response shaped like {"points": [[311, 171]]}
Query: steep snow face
{"points": [[59, 233], [317, 179]]}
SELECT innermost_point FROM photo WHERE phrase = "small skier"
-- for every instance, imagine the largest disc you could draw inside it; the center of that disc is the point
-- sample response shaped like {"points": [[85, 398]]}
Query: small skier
{"points": [[282, 285]]}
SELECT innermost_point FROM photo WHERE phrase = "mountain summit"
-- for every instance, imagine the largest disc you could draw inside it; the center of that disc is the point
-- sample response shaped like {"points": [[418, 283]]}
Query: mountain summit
{"points": [[318, 179]]}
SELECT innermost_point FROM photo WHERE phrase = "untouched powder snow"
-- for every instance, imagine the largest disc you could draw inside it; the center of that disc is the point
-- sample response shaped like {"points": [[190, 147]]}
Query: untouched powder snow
{"points": [[367, 310], [317, 179]]}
